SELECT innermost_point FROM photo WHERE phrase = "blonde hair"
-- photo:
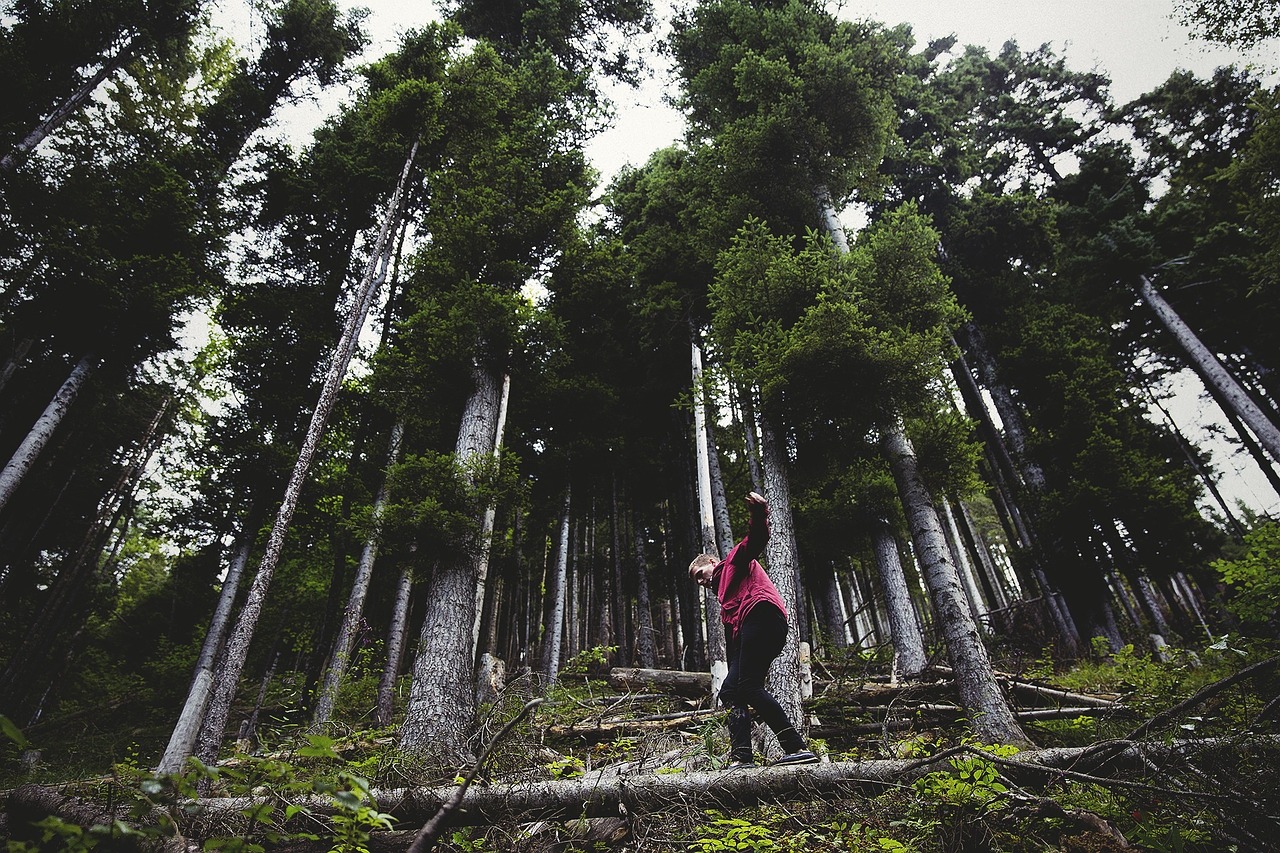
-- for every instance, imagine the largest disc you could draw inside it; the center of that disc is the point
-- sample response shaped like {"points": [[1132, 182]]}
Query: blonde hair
{"points": [[702, 560]]}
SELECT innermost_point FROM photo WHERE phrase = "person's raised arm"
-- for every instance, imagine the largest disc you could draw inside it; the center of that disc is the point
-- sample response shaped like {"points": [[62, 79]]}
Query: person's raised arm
{"points": [[758, 529]]}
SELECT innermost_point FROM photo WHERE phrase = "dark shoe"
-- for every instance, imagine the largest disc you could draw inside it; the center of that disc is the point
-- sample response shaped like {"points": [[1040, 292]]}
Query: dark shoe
{"points": [[740, 765], [804, 756]]}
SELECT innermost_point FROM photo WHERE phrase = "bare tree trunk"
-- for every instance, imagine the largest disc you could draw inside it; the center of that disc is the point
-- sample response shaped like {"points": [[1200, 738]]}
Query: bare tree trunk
{"points": [[646, 653], [716, 652], [1010, 415], [836, 619], [961, 558], [441, 707], [354, 611], [395, 645], [904, 628], [993, 720], [749, 434], [555, 622], [1211, 370], [68, 107], [486, 532], [30, 448], [238, 645], [183, 739]]}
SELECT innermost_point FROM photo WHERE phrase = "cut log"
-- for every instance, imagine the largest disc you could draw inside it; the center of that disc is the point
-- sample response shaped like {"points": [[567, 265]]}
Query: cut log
{"points": [[692, 684], [596, 729]]}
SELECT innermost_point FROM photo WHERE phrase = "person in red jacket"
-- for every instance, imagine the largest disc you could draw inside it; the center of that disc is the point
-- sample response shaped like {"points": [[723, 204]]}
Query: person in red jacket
{"points": [[755, 627]]}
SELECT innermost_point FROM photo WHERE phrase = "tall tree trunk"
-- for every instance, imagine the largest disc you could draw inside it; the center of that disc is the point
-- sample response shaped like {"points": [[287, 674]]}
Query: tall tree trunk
{"points": [[68, 107], [961, 557], [1010, 415], [237, 649], [993, 719], [183, 739], [646, 652], [784, 568], [490, 512], [555, 622], [1211, 370], [749, 435], [442, 699], [354, 611], [623, 627], [716, 652], [904, 628], [395, 644], [30, 448]]}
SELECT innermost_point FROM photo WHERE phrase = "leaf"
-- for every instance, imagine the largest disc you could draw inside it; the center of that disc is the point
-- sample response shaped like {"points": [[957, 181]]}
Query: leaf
{"points": [[13, 733]]}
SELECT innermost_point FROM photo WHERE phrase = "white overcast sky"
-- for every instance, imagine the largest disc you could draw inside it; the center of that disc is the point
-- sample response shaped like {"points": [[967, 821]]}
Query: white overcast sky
{"points": [[1137, 43]]}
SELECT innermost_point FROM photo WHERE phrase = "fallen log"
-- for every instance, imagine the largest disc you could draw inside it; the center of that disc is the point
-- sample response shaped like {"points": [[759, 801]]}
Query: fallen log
{"points": [[694, 685], [597, 730], [611, 793]]}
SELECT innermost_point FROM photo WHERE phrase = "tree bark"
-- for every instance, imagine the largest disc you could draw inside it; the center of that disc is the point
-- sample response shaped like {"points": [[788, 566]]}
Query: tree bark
{"points": [[993, 719], [395, 645], [490, 512], [555, 622], [784, 570], [646, 650], [904, 628], [29, 450], [1211, 370], [716, 651], [354, 610], [441, 707]]}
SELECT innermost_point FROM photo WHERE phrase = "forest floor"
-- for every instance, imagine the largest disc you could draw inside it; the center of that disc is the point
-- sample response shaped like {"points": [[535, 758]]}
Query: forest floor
{"points": [[1132, 753]]}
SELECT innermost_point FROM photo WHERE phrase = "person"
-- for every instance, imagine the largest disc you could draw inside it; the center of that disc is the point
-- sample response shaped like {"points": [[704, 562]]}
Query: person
{"points": [[755, 627]]}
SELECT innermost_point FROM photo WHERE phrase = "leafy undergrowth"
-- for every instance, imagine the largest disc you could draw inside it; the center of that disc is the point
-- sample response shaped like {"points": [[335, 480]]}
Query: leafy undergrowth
{"points": [[1218, 791]]}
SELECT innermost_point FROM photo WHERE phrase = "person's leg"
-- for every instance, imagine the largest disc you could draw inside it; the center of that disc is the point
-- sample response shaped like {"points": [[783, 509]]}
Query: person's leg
{"points": [[739, 717], [761, 638]]}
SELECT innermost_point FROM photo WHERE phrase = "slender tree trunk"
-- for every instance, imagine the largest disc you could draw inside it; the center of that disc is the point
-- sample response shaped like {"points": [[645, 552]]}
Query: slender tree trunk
{"points": [[1211, 370], [833, 607], [395, 645], [183, 739], [68, 107], [30, 448], [354, 611], [646, 652], [961, 558], [716, 652], [555, 622], [1010, 415], [621, 601], [490, 512], [238, 645], [749, 435], [993, 719], [904, 628]]}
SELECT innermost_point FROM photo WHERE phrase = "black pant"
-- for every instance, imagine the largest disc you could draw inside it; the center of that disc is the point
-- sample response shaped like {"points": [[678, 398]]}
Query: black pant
{"points": [[758, 641]]}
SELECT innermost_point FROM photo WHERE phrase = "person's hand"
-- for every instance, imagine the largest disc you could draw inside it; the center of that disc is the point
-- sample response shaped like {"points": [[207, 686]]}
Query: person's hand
{"points": [[756, 501]]}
